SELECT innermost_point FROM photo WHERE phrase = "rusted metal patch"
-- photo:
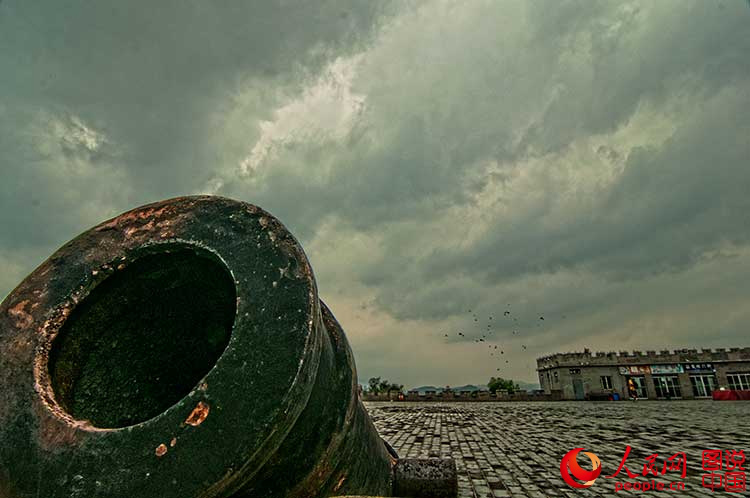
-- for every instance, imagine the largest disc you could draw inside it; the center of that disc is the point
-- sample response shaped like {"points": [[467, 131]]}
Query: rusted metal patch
{"points": [[161, 450], [135, 216], [198, 415], [43, 383], [162, 218], [339, 484], [21, 317]]}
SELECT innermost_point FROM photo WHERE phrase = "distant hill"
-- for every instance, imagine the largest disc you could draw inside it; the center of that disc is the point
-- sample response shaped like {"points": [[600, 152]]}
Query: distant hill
{"points": [[467, 387], [470, 388], [423, 389], [525, 386], [528, 386]]}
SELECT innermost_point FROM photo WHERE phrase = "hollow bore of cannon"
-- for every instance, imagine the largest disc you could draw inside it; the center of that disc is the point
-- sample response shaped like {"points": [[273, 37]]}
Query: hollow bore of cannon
{"points": [[143, 338]]}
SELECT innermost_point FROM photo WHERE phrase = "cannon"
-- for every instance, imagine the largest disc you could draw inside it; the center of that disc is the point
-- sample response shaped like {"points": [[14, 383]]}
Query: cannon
{"points": [[181, 350]]}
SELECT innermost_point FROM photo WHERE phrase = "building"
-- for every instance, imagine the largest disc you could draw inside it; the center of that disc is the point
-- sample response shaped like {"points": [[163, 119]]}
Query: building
{"points": [[679, 374]]}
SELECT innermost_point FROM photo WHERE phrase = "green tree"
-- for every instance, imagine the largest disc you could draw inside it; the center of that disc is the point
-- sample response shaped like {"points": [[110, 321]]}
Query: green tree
{"points": [[377, 385], [374, 385], [500, 384]]}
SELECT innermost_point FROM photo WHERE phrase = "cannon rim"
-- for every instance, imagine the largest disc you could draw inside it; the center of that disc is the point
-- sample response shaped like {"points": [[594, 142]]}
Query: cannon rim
{"points": [[34, 425]]}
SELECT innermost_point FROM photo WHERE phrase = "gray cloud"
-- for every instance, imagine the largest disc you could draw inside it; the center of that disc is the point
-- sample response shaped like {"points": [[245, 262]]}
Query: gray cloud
{"points": [[151, 79], [578, 160]]}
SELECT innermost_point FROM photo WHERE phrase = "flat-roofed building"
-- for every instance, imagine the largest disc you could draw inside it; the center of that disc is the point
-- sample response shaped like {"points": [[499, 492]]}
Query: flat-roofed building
{"points": [[678, 374]]}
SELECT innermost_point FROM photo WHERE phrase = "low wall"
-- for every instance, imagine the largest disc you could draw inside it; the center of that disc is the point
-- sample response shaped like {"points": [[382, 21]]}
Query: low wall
{"points": [[483, 397]]}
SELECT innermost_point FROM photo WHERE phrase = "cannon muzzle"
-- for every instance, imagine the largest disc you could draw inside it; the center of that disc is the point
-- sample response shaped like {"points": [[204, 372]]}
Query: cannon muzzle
{"points": [[181, 350]]}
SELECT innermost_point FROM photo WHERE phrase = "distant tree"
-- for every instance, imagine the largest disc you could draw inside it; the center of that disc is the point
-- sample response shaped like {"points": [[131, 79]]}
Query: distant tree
{"points": [[376, 385], [500, 384]]}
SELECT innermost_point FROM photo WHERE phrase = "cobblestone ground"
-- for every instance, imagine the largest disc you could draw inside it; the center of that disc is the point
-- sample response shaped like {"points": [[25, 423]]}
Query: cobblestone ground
{"points": [[514, 449]]}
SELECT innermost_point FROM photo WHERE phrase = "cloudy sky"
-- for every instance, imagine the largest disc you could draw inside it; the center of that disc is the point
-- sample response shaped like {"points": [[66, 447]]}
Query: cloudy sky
{"points": [[585, 162]]}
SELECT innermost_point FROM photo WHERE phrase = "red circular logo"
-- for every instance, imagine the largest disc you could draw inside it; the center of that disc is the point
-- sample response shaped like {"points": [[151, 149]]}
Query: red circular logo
{"points": [[569, 466]]}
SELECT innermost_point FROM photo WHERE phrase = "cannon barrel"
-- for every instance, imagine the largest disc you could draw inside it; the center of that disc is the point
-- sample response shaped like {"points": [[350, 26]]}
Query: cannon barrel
{"points": [[181, 350]]}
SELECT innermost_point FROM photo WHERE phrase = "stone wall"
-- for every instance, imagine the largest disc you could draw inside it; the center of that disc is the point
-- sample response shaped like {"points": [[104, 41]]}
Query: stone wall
{"points": [[636, 357], [480, 397], [579, 375]]}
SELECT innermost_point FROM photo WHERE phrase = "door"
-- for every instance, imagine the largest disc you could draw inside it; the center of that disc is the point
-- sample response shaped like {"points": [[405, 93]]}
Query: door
{"points": [[640, 384], [667, 386], [703, 385], [578, 388]]}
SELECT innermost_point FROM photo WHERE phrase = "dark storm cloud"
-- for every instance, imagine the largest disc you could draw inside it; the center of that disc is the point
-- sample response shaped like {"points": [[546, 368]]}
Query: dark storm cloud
{"points": [[149, 77], [670, 206], [568, 75], [577, 159]]}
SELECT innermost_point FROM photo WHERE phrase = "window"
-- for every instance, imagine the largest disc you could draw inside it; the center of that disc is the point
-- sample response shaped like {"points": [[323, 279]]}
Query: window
{"points": [[667, 386], [556, 379], [703, 385], [575, 371], [739, 381], [606, 382], [640, 386]]}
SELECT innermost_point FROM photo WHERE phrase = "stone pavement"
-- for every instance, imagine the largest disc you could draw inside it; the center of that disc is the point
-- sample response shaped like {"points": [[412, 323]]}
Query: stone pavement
{"points": [[514, 449]]}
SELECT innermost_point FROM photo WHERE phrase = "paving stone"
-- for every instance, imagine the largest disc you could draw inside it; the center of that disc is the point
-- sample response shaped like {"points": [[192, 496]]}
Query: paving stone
{"points": [[514, 449]]}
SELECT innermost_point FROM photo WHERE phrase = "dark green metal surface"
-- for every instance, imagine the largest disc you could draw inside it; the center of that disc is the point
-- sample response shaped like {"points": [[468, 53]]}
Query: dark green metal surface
{"points": [[180, 350]]}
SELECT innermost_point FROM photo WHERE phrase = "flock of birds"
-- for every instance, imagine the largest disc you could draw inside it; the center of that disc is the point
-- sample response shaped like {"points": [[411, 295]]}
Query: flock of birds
{"points": [[486, 335]]}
